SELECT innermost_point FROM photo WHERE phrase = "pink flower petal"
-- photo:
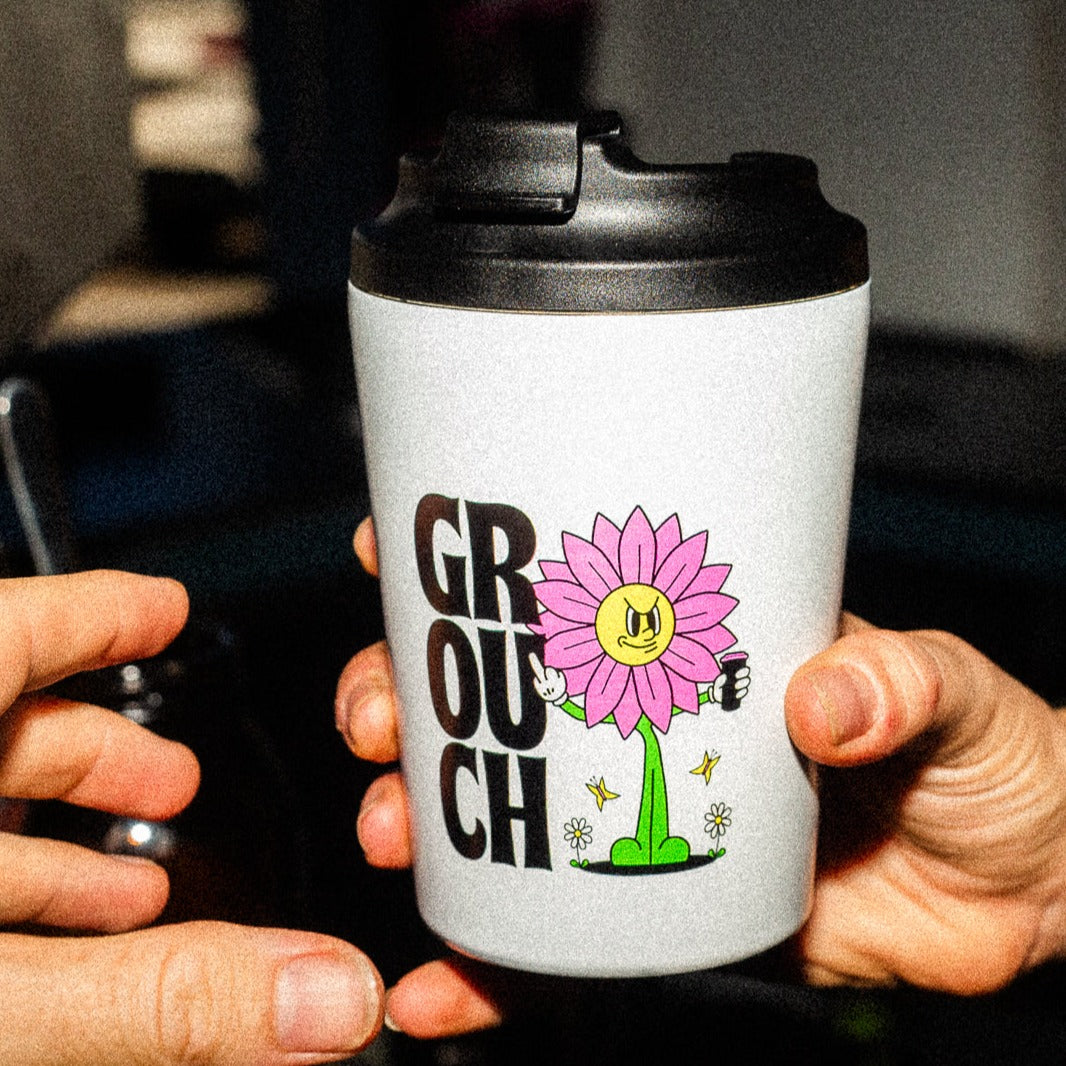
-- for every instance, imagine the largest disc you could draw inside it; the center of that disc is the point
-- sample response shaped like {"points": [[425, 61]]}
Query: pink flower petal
{"points": [[690, 659], [667, 537], [636, 551], [550, 624], [555, 571], [715, 640], [707, 609], [573, 647], [684, 693], [628, 711], [709, 579], [605, 689], [590, 566], [680, 567], [654, 693], [567, 600], [578, 677], [606, 535]]}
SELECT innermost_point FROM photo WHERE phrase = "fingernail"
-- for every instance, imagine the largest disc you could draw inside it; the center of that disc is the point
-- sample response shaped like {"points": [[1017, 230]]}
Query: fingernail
{"points": [[353, 713], [323, 1004], [343, 710], [847, 701], [371, 798], [389, 1021]]}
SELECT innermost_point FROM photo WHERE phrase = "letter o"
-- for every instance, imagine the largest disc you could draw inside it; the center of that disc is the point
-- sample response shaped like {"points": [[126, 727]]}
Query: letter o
{"points": [[461, 723]]}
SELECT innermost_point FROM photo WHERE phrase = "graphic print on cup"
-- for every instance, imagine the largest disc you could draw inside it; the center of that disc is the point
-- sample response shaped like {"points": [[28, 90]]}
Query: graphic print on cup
{"points": [[623, 633], [632, 624]]}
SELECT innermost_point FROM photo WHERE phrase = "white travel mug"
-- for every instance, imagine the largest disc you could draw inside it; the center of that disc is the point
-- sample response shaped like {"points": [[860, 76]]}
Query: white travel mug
{"points": [[609, 413]]}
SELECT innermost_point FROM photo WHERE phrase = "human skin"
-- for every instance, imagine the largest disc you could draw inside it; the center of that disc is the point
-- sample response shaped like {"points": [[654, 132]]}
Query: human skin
{"points": [[942, 852], [204, 992]]}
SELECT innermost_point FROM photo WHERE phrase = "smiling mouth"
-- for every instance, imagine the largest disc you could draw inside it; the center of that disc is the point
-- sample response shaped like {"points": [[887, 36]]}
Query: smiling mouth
{"points": [[648, 645]]}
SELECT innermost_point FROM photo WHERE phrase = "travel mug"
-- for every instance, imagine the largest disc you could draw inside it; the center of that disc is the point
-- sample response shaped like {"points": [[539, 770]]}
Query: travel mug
{"points": [[609, 416]]}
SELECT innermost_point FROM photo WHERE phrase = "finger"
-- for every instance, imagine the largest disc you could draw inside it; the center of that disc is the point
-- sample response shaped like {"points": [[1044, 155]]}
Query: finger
{"points": [[55, 749], [50, 882], [56, 626], [365, 705], [366, 546], [874, 691], [444, 998], [384, 824], [204, 992], [852, 623], [538, 668]]}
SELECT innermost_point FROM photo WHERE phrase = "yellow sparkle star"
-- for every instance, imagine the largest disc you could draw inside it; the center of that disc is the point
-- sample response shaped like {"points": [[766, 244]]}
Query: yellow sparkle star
{"points": [[601, 792], [704, 769]]}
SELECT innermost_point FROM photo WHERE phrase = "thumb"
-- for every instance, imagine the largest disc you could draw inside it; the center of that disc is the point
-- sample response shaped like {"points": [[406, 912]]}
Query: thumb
{"points": [[203, 992], [874, 691]]}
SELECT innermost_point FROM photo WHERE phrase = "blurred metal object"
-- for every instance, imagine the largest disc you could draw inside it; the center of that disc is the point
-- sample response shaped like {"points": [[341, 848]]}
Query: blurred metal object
{"points": [[146, 840], [27, 441], [233, 853]]}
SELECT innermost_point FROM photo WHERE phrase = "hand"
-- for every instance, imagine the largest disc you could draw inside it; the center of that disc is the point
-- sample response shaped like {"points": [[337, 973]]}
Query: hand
{"points": [[550, 684], [741, 684], [204, 992], [942, 858], [447, 996]]}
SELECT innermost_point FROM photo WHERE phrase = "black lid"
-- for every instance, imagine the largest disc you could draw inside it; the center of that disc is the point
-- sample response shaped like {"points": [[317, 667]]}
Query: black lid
{"points": [[539, 215]]}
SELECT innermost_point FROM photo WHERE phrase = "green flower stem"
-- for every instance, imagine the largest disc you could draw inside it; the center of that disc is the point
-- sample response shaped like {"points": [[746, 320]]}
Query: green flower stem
{"points": [[653, 821], [652, 845]]}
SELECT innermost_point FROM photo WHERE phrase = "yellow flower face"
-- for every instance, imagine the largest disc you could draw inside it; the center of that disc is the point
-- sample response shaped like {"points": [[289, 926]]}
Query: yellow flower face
{"points": [[635, 624]]}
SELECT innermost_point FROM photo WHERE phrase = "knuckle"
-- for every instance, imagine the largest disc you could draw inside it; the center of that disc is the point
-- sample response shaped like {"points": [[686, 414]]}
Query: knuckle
{"points": [[190, 1021]]}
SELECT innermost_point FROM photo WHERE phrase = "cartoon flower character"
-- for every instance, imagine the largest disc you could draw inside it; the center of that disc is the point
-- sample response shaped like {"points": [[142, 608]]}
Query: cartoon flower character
{"points": [[632, 623]]}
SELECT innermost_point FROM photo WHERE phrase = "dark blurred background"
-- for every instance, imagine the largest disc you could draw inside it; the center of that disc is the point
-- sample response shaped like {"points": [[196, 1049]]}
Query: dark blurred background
{"points": [[178, 195]]}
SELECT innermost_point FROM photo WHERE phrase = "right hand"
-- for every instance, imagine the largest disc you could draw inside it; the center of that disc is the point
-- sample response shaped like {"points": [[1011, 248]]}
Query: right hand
{"points": [[943, 820], [203, 992]]}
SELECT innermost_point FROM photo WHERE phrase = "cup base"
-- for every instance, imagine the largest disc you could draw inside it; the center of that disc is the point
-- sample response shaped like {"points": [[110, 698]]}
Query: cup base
{"points": [[645, 967]]}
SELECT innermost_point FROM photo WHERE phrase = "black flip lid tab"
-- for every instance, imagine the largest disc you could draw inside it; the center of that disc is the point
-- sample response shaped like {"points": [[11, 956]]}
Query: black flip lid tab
{"points": [[539, 215]]}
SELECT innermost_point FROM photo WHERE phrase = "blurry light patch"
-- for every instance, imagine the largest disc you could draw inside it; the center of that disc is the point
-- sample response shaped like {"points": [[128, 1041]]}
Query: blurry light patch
{"points": [[139, 834], [149, 840], [864, 1020]]}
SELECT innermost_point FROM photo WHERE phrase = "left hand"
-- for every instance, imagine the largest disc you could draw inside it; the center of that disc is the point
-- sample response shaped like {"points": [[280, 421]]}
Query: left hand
{"points": [[207, 992], [447, 996], [85, 755]]}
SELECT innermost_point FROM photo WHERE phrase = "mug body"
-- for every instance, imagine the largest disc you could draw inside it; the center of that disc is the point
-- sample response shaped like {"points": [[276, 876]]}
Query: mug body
{"points": [[522, 486]]}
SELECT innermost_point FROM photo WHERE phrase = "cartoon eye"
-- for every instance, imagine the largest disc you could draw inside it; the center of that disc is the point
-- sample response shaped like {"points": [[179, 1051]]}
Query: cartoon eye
{"points": [[632, 621], [653, 620]]}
